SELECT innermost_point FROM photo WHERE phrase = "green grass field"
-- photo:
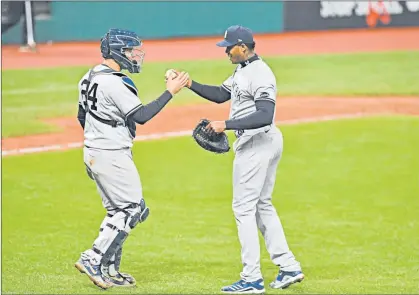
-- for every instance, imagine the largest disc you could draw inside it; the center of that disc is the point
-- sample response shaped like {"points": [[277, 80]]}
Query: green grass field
{"points": [[347, 192], [31, 95]]}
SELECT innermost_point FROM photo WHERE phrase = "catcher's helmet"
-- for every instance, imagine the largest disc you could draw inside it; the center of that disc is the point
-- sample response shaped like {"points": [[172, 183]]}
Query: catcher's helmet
{"points": [[123, 47]]}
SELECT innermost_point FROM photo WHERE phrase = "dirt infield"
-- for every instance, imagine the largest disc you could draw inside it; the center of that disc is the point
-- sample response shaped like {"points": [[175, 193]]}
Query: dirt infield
{"points": [[184, 118]]}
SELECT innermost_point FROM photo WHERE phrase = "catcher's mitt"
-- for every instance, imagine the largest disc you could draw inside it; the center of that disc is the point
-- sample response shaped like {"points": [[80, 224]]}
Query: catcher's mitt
{"points": [[210, 140]]}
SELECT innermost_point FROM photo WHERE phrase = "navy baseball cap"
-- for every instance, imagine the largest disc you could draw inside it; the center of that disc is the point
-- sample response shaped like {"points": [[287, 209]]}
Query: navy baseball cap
{"points": [[236, 35]]}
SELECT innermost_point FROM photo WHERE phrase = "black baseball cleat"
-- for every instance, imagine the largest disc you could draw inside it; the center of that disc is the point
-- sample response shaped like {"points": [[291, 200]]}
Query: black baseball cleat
{"points": [[118, 279], [121, 280], [129, 278]]}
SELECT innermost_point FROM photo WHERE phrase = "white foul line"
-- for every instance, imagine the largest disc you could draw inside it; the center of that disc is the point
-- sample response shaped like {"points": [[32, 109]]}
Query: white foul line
{"points": [[155, 136]]}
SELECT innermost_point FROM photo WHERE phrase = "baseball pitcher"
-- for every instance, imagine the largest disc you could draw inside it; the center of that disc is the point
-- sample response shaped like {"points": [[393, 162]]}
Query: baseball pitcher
{"points": [[258, 149], [109, 108]]}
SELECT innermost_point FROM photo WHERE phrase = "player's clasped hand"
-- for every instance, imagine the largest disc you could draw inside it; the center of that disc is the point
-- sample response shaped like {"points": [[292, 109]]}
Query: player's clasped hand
{"points": [[216, 126], [176, 84]]}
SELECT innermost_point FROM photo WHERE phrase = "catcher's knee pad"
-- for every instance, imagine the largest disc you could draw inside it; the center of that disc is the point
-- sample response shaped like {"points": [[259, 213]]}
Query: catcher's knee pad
{"points": [[141, 215]]}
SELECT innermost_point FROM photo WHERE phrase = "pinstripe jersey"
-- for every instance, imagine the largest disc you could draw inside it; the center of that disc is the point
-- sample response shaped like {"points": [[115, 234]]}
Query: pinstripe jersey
{"points": [[110, 95], [250, 82]]}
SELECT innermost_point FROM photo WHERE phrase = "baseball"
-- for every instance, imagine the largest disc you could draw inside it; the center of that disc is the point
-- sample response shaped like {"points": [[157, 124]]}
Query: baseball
{"points": [[170, 74]]}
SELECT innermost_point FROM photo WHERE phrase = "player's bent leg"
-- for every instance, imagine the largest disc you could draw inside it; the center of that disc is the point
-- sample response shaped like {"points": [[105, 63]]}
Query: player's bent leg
{"points": [[109, 214], [89, 262], [277, 247], [276, 243], [270, 225], [118, 189], [119, 185], [96, 262], [118, 228], [271, 228], [117, 231], [128, 280]]}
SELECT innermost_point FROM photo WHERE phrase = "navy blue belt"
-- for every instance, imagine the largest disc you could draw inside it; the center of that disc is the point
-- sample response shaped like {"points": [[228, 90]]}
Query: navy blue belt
{"points": [[240, 132]]}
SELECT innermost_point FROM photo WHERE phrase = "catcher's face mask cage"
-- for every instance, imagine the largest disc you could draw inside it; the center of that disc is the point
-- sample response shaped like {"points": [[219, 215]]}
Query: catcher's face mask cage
{"points": [[135, 55], [125, 48]]}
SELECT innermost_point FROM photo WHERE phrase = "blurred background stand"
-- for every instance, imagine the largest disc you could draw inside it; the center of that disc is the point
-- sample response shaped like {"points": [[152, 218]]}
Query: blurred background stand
{"points": [[12, 13]]}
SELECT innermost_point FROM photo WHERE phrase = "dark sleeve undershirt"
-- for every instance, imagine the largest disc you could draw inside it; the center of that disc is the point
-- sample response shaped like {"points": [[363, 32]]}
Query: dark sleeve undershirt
{"points": [[263, 116], [216, 94], [148, 111], [81, 116]]}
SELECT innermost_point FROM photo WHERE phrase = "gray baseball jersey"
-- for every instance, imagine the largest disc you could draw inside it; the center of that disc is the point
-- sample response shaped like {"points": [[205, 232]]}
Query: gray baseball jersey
{"points": [[249, 83], [110, 96], [107, 95], [257, 155]]}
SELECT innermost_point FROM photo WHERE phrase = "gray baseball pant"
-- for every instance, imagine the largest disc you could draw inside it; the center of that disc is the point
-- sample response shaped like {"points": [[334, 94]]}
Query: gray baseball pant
{"points": [[119, 185], [254, 171]]}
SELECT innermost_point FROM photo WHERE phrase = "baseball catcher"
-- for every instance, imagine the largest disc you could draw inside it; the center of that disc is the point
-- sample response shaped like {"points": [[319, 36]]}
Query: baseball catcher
{"points": [[109, 108]]}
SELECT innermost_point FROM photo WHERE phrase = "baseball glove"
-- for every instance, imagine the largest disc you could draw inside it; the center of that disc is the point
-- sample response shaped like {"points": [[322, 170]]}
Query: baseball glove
{"points": [[210, 140]]}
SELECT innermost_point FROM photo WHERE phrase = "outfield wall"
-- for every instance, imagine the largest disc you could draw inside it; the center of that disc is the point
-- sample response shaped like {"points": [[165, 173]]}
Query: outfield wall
{"points": [[89, 20], [152, 20]]}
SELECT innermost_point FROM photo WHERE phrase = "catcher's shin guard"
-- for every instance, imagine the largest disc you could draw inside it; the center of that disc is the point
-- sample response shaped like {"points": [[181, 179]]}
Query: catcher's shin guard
{"points": [[117, 229], [116, 274], [115, 245], [118, 258]]}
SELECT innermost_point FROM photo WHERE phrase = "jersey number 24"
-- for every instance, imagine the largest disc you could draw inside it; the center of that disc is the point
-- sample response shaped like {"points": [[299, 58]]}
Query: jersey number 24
{"points": [[89, 93]]}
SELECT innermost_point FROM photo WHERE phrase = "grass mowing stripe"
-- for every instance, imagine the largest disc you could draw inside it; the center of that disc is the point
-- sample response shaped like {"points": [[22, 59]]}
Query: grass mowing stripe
{"points": [[371, 74], [346, 193]]}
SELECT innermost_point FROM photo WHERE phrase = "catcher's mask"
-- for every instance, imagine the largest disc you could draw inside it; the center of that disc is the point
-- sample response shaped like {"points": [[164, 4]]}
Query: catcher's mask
{"points": [[124, 47]]}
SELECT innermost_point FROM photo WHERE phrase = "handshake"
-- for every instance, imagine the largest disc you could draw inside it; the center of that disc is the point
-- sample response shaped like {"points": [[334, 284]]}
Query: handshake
{"points": [[176, 80]]}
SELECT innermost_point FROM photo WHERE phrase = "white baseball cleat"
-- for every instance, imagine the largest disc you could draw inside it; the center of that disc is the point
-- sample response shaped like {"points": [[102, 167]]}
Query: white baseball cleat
{"points": [[286, 279]]}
